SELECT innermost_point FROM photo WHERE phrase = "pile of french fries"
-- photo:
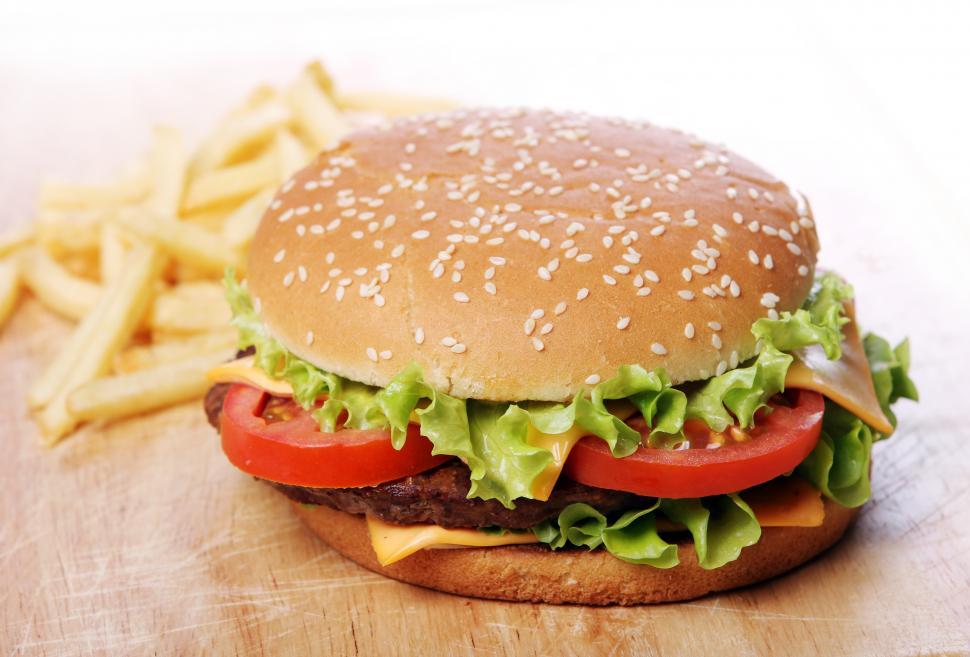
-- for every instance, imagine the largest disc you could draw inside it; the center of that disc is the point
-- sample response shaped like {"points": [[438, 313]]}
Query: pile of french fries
{"points": [[137, 263]]}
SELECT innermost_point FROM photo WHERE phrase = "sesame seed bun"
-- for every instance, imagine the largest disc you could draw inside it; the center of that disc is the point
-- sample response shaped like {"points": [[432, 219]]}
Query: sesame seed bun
{"points": [[524, 254], [534, 573]]}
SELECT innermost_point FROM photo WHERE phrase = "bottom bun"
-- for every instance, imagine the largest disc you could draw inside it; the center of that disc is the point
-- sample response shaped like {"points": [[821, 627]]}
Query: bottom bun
{"points": [[534, 573]]}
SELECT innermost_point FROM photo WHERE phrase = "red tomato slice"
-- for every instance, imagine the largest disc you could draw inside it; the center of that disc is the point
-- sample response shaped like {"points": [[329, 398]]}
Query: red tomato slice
{"points": [[285, 445], [779, 441]]}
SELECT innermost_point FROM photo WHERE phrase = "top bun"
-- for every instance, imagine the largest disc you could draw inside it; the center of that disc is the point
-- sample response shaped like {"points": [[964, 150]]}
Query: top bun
{"points": [[520, 255]]}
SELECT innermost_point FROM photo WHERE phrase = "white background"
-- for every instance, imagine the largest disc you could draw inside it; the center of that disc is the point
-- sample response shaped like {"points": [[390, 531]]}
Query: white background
{"points": [[863, 106]]}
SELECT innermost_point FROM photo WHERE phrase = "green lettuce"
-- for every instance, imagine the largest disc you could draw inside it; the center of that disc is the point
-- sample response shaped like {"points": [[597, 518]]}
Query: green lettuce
{"points": [[741, 392], [890, 372], [721, 527], [839, 464]]}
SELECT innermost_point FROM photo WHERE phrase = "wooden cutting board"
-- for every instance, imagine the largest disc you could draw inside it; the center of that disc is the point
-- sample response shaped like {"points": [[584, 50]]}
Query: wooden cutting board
{"points": [[139, 538]]}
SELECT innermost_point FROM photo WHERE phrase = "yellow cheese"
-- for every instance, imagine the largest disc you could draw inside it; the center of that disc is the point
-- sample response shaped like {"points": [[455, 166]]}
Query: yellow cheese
{"points": [[243, 371], [395, 542], [846, 381], [786, 502], [560, 445]]}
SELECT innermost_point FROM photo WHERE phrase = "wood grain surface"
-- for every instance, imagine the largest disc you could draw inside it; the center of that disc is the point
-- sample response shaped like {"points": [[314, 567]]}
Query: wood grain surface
{"points": [[138, 538]]}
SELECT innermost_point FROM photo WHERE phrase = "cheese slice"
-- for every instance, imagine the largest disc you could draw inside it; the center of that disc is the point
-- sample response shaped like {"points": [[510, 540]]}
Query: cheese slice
{"points": [[242, 370], [786, 502], [560, 445], [395, 542], [846, 381]]}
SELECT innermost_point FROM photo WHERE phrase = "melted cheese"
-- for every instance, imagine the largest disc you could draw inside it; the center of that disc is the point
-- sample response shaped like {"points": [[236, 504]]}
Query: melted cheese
{"points": [[846, 381], [560, 445], [395, 542], [242, 371], [786, 502]]}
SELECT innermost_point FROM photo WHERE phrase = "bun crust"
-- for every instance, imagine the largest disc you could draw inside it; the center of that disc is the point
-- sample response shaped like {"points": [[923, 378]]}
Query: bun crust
{"points": [[531, 573], [521, 254]]}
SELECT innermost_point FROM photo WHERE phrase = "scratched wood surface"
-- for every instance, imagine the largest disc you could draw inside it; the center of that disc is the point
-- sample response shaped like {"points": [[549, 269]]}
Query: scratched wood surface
{"points": [[138, 538]]}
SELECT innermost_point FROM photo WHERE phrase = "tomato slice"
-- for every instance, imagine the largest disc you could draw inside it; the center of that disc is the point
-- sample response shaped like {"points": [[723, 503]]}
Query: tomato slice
{"points": [[779, 441], [286, 445]]}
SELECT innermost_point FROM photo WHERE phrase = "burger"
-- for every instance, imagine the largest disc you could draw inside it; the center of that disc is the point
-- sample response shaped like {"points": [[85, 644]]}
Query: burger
{"points": [[544, 356]]}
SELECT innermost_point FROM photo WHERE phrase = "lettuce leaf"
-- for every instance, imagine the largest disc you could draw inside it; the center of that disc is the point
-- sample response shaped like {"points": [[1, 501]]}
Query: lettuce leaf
{"points": [[633, 537], [839, 464], [721, 527], [890, 372], [742, 391]]}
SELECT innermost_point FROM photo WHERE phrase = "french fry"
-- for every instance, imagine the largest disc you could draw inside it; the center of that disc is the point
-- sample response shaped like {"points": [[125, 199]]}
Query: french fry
{"points": [[190, 308], [189, 243], [146, 390], [112, 252], [67, 232], [132, 188], [240, 226], [55, 287], [315, 113], [168, 163], [392, 104], [211, 218], [291, 154], [9, 287], [242, 132], [222, 343], [100, 335], [15, 239], [233, 182]]}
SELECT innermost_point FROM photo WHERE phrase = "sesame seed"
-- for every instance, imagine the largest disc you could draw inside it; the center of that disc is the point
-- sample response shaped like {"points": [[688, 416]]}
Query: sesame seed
{"points": [[623, 322], [689, 330], [448, 341], [386, 354], [372, 354], [794, 248], [753, 257], [419, 335], [609, 280], [592, 379], [529, 326], [420, 234], [309, 337], [716, 341], [546, 329], [658, 349], [768, 262], [461, 297], [490, 287], [458, 348], [301, 272], [279, 255], [686, 295], [582, 293], [288, 279], [538, 344], [802, 270], [538, 313], [544, 274]]}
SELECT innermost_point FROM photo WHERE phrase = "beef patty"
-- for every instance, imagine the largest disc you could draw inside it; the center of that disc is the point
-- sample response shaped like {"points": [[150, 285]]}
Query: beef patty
{"points": [[439, 496]]}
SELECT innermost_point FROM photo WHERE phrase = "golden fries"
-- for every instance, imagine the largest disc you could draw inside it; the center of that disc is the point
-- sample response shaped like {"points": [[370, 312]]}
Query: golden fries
{"points": [[168, 162], [197, 307], [90, 349], [139, 357], [146, 252], [145, 390], [9, 287], [64, 196], [16, 239], [239, 227], [246, 130], [189, 243], [56, 287], [315, 113]]}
